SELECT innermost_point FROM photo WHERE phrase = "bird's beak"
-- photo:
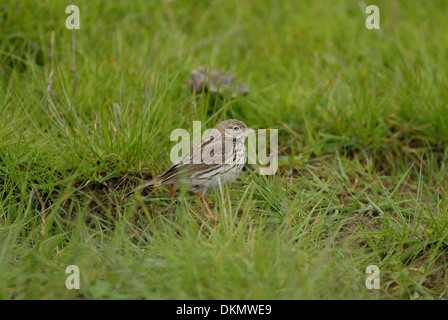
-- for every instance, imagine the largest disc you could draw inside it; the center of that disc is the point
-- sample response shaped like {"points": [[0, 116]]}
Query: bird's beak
{"points": [[248, 132]]}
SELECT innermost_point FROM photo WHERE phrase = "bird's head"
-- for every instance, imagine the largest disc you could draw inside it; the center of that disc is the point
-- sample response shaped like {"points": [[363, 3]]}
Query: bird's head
{"points": [[234, 128]]}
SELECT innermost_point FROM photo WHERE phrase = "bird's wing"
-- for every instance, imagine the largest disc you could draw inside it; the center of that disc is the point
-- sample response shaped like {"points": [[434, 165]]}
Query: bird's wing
{"points": [[210, 153]]}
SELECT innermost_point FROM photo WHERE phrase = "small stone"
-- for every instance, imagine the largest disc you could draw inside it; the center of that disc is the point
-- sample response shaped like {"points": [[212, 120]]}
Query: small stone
{"points": [[215, 82]]}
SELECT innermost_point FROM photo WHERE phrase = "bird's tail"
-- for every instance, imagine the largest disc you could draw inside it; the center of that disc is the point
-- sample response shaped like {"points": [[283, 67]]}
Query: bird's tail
{"points": [[153, 182]]}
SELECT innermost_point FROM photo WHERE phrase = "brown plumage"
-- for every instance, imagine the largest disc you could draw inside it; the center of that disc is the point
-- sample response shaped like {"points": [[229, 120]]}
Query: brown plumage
{"points": [[218, 157]]}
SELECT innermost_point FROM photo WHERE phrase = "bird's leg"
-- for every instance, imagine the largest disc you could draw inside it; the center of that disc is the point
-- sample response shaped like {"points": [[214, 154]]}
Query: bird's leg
{"points": [[172, 192], [211, 216], [208, 211], [198, 197]]}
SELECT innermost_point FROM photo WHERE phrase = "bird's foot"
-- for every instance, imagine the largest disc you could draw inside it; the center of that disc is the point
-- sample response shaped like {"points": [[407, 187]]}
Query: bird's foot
{"points": [[172, 192], [207, 211]]}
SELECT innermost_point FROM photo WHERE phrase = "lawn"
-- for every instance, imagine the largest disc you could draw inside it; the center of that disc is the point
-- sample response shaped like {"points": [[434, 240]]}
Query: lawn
{"points": [[362, 131]]}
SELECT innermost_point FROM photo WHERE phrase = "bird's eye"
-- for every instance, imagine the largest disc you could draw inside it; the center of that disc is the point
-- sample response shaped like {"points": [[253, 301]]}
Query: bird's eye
{"points": [[236, 128]]}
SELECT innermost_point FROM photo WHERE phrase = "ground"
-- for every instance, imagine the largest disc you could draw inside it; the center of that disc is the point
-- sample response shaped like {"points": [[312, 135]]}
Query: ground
{"points": [[362, 123]]}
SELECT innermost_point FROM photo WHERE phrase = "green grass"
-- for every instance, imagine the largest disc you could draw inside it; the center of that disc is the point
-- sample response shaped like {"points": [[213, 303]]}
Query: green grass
{"points": [[363, 148]]}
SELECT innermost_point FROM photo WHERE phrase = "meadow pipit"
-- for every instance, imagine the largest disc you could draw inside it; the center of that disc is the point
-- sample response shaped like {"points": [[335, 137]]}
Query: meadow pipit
{"points": [[217, 158]]}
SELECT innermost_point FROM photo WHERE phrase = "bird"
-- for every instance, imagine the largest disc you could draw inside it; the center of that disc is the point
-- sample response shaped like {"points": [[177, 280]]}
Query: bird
{"points": [[218, 158]]}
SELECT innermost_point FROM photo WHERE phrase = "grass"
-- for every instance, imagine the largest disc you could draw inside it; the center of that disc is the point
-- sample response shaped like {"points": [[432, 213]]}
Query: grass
{"points": [[363, 148]]}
